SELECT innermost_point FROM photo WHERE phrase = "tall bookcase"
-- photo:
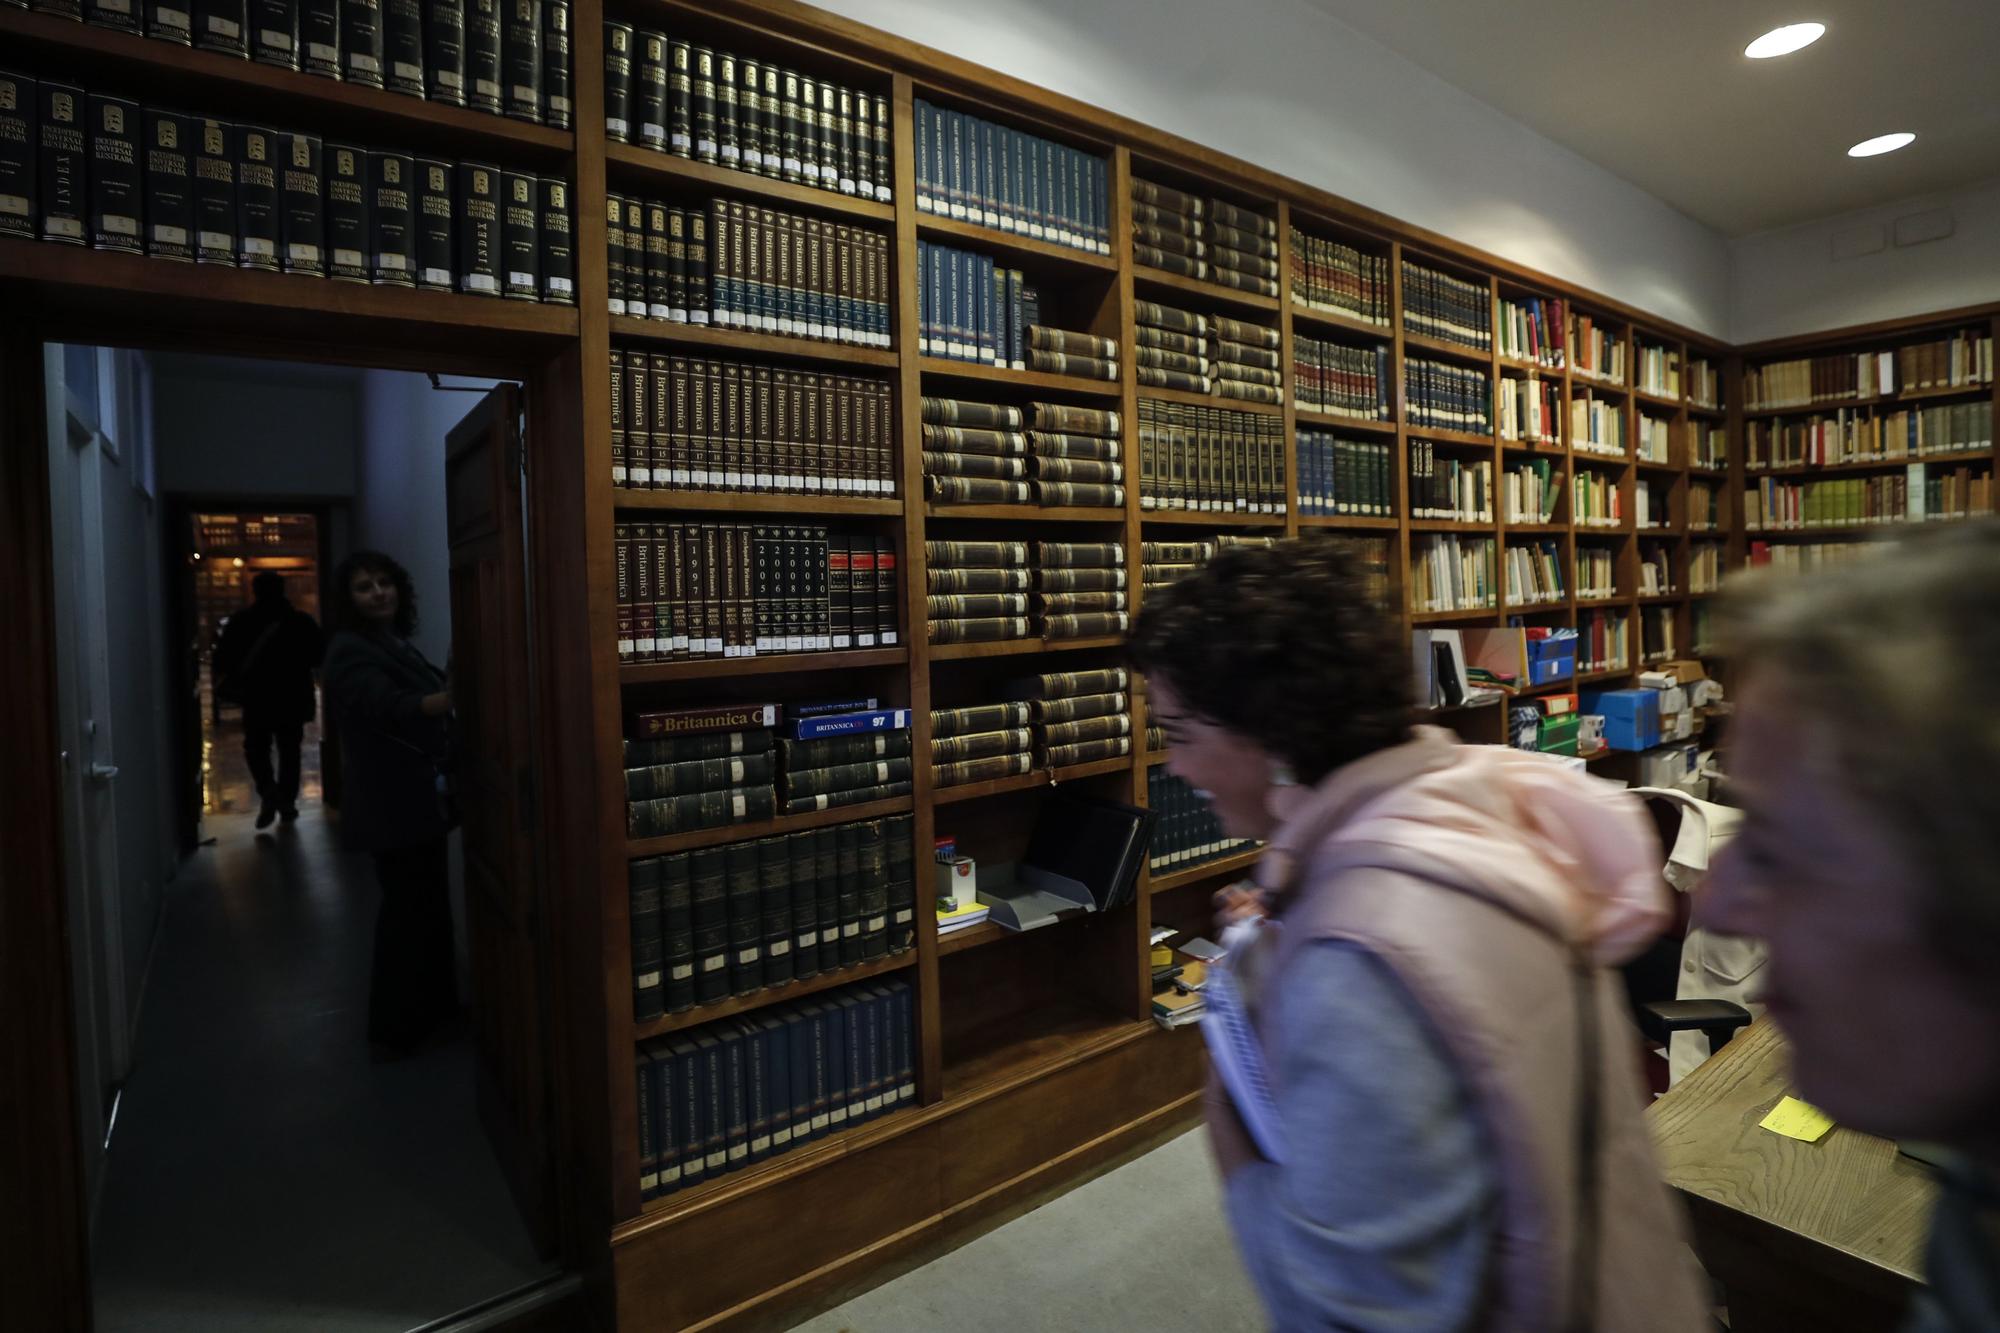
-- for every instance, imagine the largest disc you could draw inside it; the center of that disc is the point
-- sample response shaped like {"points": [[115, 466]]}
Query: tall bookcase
{"points": [[1036, 1058]]}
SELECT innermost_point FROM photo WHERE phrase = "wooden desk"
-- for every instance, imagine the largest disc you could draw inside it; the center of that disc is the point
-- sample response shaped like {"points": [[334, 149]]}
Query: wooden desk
{"points": [[1827, 1236]]}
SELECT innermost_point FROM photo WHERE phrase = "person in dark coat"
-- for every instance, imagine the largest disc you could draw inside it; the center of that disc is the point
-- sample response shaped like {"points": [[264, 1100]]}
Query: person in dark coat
{"points": [[264, 661], [390, 706]]}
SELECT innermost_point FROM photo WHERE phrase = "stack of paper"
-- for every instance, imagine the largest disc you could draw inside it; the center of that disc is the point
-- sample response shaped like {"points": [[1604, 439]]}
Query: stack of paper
{"points": [[970, 912]]}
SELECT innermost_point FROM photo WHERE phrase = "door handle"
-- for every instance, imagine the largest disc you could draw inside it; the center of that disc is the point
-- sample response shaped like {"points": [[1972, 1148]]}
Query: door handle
{"points": [[103, 772]]}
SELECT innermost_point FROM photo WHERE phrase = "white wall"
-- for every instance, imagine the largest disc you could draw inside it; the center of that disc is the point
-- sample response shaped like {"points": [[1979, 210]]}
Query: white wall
{"points": [[278, 435], [1384, 132], [1787, 281], [399, 504]]}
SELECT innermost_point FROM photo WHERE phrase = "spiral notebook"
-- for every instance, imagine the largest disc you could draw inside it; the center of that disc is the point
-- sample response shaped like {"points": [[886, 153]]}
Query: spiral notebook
{"points": [[1239, 1061]]}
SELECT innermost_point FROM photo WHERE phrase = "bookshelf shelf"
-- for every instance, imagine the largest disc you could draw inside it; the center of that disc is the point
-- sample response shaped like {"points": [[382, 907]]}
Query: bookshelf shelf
{"points": [[1660, 598], [1337, 323], [1648, 465], [1703, 410], [1234, 863], [210, 83], [1602, 531], [757, 502], [972, 372], [1554, 606], [1443, 617], [764, 828], [764, 664], [1154, 758], [1542, 448], [1612, 673], [973, 937], [1209, 400], [1362, 522], [1868, 465], [1028, 513], [1185, 519], [1582, 382], [1016, 250], [638, 167], [1040, 777], [1520, 367], [1415, 344], [1884, 401], [1161, 281], [1592, 457], [1832, 530], [770, 995], [1712, 473], [953, 652], [1538, 529], [1656, 399], [1334, 421], [813, 350], [1486, 526], [1616, 599], [1438, 435], [1017, 1048]]}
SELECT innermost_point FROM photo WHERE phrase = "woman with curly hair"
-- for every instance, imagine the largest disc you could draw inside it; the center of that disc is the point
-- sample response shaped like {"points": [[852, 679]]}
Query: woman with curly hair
{"points": [[1452, 1134], [389, 707]]}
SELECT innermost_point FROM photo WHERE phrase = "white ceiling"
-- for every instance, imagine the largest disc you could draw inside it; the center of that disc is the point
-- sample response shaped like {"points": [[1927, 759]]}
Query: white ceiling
{"points": [[1659, 92]]}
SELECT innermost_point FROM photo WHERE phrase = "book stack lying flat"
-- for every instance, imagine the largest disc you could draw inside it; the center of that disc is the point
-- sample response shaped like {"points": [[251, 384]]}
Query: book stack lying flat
{"points": [[1063, 352], [731, 920], [832, 755], [1173, 348], [974, 453], [1186, 831], [1167, 230], [1210, 459], [1242, 248], [1161, 563], [1339, 279], [697, 768], [1341, 380], [980, 743], [737, 1091], [1075, 456], [965, 913], [973, 588], [1079, 590], [1246, 361], [1078, 717]]}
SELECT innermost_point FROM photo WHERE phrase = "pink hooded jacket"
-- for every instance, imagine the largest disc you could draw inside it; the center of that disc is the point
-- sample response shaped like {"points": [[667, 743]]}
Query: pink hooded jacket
{"points": [[1498, 886]]}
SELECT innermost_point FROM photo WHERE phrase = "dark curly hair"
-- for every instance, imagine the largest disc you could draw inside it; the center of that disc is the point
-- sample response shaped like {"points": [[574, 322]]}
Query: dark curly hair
{"points": [[346, 615], [1285, 646]]}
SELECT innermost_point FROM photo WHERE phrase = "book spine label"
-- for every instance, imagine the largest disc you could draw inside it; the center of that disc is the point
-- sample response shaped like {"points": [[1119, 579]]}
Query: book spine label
{"points": [[169, 21], [680, 99], [117, 204], [302, 205], [360, 46], [434, 225], [347, 214], [558, 108], [477, 200], [319, 37], [393, 219], [214, 191], [274, 32], [618, 82], [403, 46], [169, 187], [521, 60], [444, 52], [482, 55], [556, 257], [520, 237]]}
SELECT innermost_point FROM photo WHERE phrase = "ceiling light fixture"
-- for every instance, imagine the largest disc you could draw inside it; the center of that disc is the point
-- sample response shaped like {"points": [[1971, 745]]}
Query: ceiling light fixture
{"points": [[1882, 143], [1783, 41]]}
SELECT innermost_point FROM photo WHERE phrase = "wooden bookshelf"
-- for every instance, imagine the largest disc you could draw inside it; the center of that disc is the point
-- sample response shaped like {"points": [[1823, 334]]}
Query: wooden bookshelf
{"points": [[770, 995], [1073, 1048]]}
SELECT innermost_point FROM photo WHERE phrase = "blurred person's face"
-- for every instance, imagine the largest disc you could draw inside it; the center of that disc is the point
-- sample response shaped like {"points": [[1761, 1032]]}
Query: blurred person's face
{"points": [[1885, 1036], [1232, 771], [374, 594]]}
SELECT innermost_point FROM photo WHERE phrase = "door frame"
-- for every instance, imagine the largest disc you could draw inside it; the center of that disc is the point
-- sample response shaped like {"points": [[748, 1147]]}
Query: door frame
{"points": [[44, 1241]]}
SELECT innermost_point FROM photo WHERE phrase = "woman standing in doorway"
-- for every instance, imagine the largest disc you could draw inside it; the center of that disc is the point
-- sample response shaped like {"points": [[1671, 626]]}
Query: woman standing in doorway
{"points": [[1447, 1132], [389, 706]]}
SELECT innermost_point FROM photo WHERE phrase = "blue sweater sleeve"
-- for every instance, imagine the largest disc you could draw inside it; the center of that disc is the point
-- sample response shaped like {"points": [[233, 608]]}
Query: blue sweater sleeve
{"points": [[1385, 1216]]}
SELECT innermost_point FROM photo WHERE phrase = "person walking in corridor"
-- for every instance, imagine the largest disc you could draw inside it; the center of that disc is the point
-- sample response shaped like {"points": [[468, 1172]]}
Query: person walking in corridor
{"points": [[264, 661]]}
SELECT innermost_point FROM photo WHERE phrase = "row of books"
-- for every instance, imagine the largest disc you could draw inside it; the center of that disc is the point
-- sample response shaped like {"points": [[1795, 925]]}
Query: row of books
{"points": [[1658, 634], [1529, 410], [732, 920], [1531, 490], [1711, 448], [1649, 505], [1704, 383], [731, 1093], [1595, 499], [1179, 349], [973, 170], [1596, 353], [742, 113], [1445, 486], [1654, 439], [1596, 572], [1534, 573], [1656, 571], [739, 265], [1341, 380], [1051, 454], [1186, 829], [1807, 557], [1051, 721], [1959, 360], [1658, 370], [1339, 279], [691, 590], [112, 175], [1451, 573], [1706, 565], [1597, 426], [1437, 305], [1704, 505], [1339, 476], [1447, 397], [971, 309], [1210, 459], [1858, 436], [1210, 240], [1533, 328], [510, 59], [1162, 563], [1918, 494], [749, 784], [1604, 641], [1079, 590], [695, 424]]}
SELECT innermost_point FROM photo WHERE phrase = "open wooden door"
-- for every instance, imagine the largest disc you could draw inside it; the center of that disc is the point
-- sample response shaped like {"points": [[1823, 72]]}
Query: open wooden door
{"points": [[491, 695]]}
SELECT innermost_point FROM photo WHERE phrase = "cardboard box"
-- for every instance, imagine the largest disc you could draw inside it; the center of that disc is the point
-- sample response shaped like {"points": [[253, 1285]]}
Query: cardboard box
{"points": [[1667, 766]]}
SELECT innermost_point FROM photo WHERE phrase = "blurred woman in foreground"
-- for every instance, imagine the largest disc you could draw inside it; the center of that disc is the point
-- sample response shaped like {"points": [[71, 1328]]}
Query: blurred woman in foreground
{"points": [[1866, 756], [1453, 1137]]}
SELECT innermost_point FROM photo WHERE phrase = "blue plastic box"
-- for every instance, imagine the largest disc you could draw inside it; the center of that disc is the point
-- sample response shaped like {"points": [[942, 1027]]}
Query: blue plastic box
{"points": [[1631, 717], [1551, 659]]}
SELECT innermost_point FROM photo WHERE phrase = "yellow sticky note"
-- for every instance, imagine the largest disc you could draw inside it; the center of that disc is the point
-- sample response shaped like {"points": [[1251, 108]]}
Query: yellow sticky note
{"points": [[1797, 1120]]}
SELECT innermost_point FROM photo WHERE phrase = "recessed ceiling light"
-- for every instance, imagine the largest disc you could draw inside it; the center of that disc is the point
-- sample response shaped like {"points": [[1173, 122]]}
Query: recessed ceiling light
{"points": [[1882, 143], [1783, 41]]}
